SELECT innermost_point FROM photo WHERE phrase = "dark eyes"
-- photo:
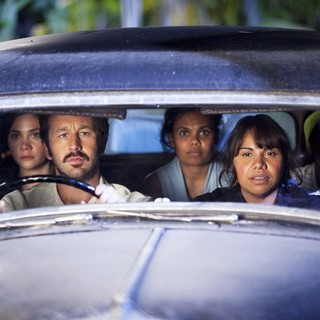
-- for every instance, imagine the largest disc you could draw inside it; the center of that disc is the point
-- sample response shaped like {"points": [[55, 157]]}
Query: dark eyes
{"points": [[183, 133], [202, 133], [35, 135], [14, 136], [205, 133], [81, 134], [267, 154]]}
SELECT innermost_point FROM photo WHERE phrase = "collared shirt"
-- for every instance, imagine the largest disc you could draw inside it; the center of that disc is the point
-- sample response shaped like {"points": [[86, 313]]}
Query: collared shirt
{"points": [[46, 194]]}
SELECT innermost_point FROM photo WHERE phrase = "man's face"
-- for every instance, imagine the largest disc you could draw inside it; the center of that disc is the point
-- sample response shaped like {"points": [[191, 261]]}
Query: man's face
{"points": [[73, 146]]}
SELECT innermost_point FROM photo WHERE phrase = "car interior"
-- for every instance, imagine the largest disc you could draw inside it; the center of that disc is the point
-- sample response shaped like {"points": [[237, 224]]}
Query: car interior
{"points": [[134, 148]]}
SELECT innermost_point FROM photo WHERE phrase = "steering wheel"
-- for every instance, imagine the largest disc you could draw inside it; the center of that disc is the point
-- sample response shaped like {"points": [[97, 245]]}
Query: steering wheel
{"points": [[7, 187]]}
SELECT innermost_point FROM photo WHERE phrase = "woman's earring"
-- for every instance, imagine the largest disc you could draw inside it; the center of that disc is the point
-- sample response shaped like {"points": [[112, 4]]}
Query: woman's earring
{"points": [[5, 154]]}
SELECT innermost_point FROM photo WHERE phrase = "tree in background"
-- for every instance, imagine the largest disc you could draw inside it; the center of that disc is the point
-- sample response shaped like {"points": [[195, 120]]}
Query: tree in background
{"points": [[22, 18], [284, 13]]}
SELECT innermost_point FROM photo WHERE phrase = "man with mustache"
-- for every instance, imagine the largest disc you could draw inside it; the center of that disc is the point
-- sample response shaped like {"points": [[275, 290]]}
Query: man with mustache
{"points": [[74, 144]]}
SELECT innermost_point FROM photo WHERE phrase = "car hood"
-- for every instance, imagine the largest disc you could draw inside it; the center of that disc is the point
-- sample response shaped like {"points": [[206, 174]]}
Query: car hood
{"points": [[146, 261]]}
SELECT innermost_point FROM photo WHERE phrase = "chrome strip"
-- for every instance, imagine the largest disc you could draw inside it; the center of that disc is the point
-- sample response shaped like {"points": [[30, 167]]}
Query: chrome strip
{"points": [[192, 211], [224, 100], [123, 300]]}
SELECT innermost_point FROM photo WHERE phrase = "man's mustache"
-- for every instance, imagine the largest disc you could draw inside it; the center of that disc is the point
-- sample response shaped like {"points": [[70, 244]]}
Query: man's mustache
{"points": [[76, 154]]}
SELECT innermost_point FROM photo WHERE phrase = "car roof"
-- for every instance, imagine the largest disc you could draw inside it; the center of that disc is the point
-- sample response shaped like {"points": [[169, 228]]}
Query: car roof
{"points": [[156, 66]]}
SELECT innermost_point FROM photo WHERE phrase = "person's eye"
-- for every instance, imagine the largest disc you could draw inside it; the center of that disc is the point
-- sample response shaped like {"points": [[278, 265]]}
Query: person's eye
{"points": [[183, 133], [35, 135], [63, 135], [246, 154], [271, 154], [84, 133], [14, 136], [205, 133]]}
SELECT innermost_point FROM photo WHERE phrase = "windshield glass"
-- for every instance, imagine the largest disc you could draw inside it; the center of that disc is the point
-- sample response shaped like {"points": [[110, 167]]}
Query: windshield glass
{"points": [[181, 154]]}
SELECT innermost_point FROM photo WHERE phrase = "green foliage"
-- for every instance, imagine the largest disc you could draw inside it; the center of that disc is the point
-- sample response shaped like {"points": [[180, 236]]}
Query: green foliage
{"points": [[93, 14], [294, 13], [9, 10], [32, 17], [227, 12]]}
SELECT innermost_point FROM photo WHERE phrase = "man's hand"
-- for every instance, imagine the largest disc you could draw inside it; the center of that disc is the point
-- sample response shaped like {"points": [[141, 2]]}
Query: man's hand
{"points": [[108, 194], [2, 206], [162, 200]]}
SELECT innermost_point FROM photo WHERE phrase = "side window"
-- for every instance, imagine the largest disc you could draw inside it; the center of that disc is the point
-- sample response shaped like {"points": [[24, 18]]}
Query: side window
{"points": [[138, 133]]}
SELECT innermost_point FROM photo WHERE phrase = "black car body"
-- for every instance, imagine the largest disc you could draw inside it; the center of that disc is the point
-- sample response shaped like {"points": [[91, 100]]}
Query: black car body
{"points": [[178, 260]]}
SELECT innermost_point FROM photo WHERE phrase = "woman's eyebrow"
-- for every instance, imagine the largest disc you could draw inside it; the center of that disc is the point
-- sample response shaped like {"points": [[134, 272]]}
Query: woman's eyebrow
{"points": [[247, 148]]}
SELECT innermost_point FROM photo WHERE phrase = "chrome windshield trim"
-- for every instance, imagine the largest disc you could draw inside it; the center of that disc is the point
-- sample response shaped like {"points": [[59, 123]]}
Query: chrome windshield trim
{"points": [[223, 101], [224, 212]]}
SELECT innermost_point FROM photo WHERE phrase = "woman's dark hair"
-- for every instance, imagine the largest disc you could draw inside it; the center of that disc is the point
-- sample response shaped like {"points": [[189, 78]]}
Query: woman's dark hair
{"points": [[171, 116], [8, 122], [9, 168], [266, 134]]}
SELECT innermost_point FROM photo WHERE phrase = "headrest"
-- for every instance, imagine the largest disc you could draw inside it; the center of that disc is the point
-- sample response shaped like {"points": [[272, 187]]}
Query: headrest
{"points": [[310, 123]]}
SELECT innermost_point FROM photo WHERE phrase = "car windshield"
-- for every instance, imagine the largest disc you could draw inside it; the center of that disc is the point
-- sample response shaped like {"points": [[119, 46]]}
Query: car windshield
{"points": [[175, 98]]}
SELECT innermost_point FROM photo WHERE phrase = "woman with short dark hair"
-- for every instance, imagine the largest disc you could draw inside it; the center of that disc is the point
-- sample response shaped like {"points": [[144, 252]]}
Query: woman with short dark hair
{"points": [[257, 164]]}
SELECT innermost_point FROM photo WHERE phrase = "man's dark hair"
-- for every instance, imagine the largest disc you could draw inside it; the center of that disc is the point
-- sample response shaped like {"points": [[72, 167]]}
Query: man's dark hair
{"points": [[102, 125]]}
